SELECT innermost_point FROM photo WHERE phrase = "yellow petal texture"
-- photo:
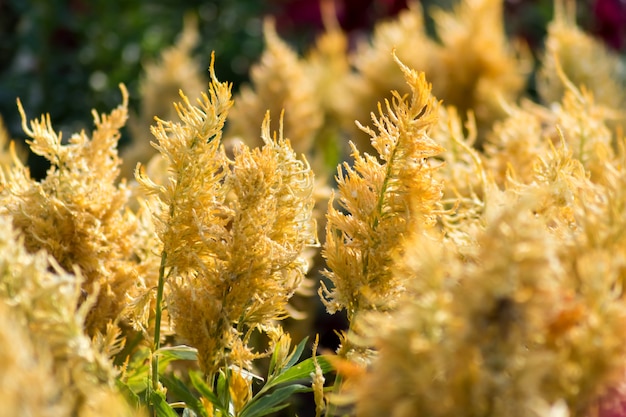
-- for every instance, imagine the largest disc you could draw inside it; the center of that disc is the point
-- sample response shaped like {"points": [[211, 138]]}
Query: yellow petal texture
{"points": [[232, 230], [78, 213], [378, 197], [377, 75], [534, 314], [279, 81], [530, 130], [584, 60], [471, 64], [49, 366], [478, 67]]}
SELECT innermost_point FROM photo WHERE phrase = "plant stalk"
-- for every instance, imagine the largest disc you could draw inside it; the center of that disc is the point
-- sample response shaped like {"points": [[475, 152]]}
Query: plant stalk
{"points": [[157, 322]]}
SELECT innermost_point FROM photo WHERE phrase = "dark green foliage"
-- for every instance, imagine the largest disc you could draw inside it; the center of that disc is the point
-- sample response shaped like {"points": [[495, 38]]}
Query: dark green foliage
{"points": [[64, 57]]}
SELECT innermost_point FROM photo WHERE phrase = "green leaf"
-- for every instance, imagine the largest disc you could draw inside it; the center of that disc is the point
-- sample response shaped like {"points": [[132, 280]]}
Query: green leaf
{"points": [[274, 358], [300, 371], [132, 398], [297, 352], [263, 405], [181, 352], [206, 392], [161, 406], [223, 392], [180, 390], [138, 371]]}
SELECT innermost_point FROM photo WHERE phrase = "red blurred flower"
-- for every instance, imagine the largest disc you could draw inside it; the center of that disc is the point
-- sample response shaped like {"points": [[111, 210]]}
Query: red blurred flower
{"points": [[352, 14], [610, 22]]}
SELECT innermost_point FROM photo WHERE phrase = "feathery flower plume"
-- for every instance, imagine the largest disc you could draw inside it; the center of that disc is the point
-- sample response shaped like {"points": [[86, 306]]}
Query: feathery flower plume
{"points": [[576, 120], [23, 367], [509, 330], [68, 372], [586, 62], [478, 67], [78, 213], [176, 70], [378, 199], [190, 218], [232, 230], [280, 81], [473, 67], [377, 74], [458, 169], [513, 144]]}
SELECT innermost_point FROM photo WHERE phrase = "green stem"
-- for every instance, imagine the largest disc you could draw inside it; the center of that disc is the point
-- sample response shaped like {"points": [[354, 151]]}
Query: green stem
{"points": [[157, 322], [381, 198], [379, 209], [330, 409]]}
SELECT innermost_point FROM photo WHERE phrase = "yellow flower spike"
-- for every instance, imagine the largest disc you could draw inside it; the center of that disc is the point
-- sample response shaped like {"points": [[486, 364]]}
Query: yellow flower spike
{"points": [[279, 81], [318, 383], [44, 347], [379, 198], [240, 388], [233, 230], [79, 212], [584, 60]]}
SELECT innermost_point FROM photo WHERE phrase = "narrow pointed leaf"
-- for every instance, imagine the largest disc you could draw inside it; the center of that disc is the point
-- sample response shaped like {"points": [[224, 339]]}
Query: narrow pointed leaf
{"points": [[206, 392], [132, 398], [269, 403], [182, 353], [297, 352], [180, 390], [300, 371], [161, 406]]}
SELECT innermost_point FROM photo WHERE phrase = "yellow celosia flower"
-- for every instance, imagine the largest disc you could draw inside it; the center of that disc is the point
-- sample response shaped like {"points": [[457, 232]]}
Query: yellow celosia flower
{"points": [[318, 383], [280, 82], [68, 372], [585, 127], [473, 67], [512, 146], [232, 230], [240, 388], [27, 380], [585, 61], [497, 334], [79, 213], [458, 169], [531, 130], [477, 67], [176, 70], [523, 313], [377, 75], [378, 199]]}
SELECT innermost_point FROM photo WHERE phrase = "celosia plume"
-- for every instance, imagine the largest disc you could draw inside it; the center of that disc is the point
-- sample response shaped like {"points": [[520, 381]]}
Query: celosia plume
{"points": [[68, 375], [378, 198], [176, 70], [78, 213], [232, 230], [280, 81]]}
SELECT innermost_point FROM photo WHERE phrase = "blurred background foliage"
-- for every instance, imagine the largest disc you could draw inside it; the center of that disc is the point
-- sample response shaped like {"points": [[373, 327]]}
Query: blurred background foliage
{"points": [[65, 57]]}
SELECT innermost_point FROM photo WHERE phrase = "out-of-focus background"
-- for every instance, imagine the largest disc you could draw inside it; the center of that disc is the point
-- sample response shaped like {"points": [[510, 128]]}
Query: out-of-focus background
{"points": [[65, 57]]}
